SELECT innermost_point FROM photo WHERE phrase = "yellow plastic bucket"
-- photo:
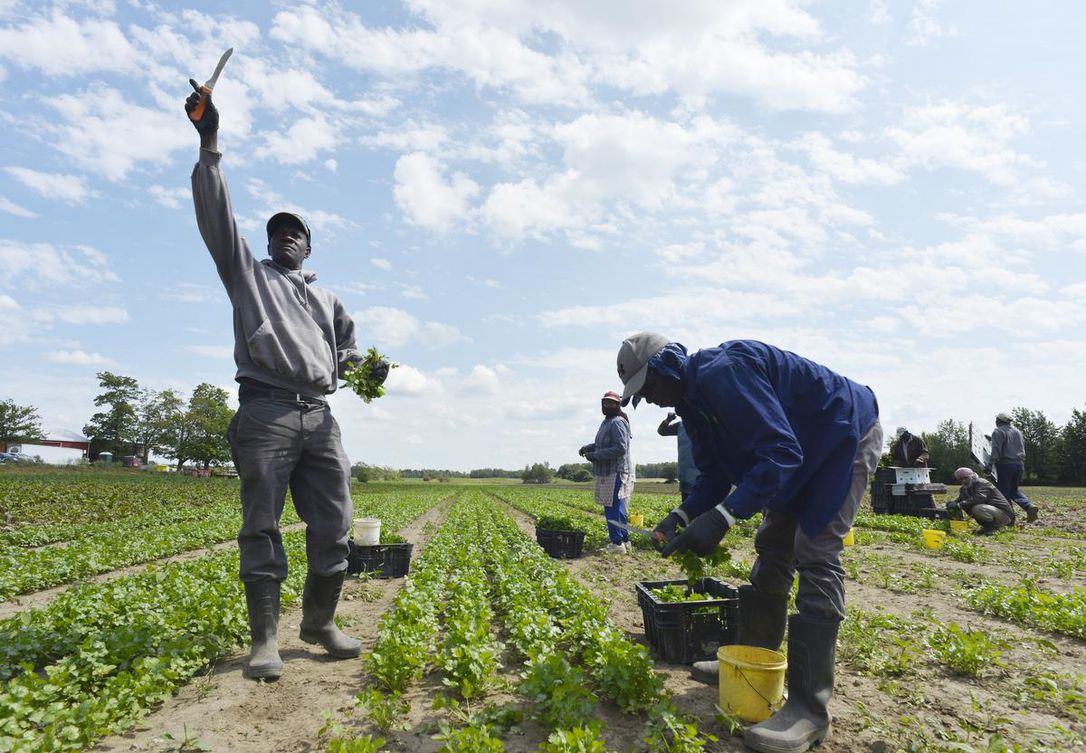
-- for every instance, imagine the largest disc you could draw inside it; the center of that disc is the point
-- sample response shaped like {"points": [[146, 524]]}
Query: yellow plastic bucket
{"points": [[933, 539], [751, 681], [959, 526], [637, 519], [850, 538]]}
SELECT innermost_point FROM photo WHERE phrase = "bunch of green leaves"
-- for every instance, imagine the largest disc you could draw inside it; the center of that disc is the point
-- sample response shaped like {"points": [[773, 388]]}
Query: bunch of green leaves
{"points": [[585, 738], [385, 711], [1031, 605], [696, 567], [673, 594], [556, 523], [363, 744], [470, 739], [557, 691], [359, 376], [966, 652], [669, 732]]}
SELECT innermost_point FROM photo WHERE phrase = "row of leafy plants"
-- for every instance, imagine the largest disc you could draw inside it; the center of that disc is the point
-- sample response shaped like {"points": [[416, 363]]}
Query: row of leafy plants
{"points": [[553, 637], [99, 656]]}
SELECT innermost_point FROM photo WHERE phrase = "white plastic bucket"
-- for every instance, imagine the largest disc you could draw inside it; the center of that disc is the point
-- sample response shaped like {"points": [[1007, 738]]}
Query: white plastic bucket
{"points": [[367, 531]]}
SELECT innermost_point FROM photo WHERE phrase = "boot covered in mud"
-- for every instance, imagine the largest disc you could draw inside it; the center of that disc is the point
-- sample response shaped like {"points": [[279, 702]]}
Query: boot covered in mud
{"points": [[262, 599], [319, 600], [762, 618], [804, 721]]}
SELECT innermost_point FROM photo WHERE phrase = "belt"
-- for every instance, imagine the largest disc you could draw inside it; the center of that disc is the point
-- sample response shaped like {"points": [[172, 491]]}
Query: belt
{"points": [[251, 392]]}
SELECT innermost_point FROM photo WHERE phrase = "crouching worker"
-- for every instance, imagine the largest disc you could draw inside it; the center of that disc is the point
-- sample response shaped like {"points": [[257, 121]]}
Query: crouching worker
{"points": [[798, 442], [292, 340], [982, 501]]}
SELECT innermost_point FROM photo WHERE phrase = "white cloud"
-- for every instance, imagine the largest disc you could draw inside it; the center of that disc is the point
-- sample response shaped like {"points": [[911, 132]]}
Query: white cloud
{"points": [[845, 167], [925, 26], [384, 264], [426, 197], [62, 46], [97, 139], [173, 198], [9, 206], [303, 141], [77, 358], [964, 136], [411, 382], [84, 314], [69, 188], [38, 264], [395, 327]]}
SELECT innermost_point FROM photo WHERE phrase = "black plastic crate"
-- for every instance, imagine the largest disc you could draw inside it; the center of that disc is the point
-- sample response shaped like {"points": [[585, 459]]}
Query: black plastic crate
{"points": [[562, 545], [383, 560], [690, 631]]}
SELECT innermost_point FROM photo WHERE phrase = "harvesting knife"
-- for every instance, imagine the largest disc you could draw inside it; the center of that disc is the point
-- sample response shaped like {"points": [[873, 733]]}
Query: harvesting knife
{"points": [[205, 90], [642, 531]]}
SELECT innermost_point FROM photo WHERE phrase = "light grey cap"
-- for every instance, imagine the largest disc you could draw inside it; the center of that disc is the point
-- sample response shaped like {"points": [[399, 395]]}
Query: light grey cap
{"points": [[633, 360], [1003, 418], [900, 430]]}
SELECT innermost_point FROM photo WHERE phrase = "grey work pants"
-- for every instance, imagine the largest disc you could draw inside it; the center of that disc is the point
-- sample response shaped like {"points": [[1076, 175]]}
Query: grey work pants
{"points": [[280, 444], [783, 547], [990, 516]]}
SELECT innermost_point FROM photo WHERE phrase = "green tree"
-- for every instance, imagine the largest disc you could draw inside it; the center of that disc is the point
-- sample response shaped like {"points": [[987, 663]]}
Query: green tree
{"points": [[18, 424], [114, 429], [156, 421], [198, 432], [1071, 457], [538, 473], [1042, 440], [209, 417], [949, 449], [575, 471]]}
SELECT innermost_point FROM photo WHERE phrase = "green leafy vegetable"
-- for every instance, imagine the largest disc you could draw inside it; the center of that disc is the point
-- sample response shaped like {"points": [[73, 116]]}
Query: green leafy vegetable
{"points": [[359, 377]]}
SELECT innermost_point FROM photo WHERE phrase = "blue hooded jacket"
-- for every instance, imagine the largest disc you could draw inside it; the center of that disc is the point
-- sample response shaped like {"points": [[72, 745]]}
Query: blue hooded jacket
{"points": [[784, 430]]}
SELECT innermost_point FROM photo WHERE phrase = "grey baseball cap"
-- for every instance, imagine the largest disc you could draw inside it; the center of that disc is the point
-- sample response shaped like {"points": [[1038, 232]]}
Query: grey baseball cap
{"points": [[633, 360], [1003, 418], [288, 218]]}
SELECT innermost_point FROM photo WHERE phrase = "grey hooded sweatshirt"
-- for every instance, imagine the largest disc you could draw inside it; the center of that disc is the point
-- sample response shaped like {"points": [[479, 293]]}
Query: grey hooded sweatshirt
{"points": [[287, 332]]}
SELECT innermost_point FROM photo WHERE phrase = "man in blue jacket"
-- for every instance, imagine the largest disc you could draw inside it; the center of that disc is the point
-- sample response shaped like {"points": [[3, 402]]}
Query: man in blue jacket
{"points": [[778, 434]]}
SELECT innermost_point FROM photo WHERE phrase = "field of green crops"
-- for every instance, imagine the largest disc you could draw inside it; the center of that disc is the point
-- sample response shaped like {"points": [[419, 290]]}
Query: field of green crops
{"points": [[122, 627]]}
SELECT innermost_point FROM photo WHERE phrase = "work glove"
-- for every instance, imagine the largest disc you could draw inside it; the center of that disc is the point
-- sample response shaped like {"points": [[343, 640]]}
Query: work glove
{"points": [[666, 528], [700, 537], [209, 121], [590, 457], [953, 506], [379, 371], [585, 449]]}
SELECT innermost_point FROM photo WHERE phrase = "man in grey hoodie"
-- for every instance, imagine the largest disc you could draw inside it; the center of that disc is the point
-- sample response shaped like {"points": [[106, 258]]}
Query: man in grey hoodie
{"points": [[292, 342]]}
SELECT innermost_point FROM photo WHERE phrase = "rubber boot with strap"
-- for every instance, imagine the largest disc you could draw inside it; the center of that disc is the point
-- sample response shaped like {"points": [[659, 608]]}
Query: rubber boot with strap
{"points": [[319, 600], [804, 721], [762, 618], [262, 600]]}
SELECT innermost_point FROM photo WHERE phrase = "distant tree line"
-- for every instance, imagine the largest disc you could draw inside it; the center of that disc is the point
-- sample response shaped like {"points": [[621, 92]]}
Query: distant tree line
{"points": [[1054, 454], [136, 421]]}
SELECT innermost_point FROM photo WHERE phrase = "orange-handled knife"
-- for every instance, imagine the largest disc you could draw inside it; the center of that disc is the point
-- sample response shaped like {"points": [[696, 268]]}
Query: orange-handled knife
{"points": [[205, 90]]}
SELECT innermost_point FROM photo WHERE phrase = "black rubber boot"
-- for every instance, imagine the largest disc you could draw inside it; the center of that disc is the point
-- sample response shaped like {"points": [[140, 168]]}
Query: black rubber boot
{"points": [[262, 599], [319, 601], [762, 618], [804, 721], [1031, 514]]}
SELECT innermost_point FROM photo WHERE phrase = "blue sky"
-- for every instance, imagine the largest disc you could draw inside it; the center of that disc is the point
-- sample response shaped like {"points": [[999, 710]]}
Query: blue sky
{"points": [[501, 191]]}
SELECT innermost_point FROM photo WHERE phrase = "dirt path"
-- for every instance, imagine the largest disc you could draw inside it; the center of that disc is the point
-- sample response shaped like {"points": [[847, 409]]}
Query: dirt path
{"points": [[224, 711], [39, 599]]}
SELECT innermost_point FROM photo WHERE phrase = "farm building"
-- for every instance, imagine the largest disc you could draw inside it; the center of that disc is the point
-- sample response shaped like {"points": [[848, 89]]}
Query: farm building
{"points": [[60, 447]]}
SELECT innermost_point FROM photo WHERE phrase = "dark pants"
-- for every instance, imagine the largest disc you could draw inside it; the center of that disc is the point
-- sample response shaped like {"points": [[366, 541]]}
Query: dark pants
{"points": [[1008, 477], [280, 444], [617, 511], [783, 547]]}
